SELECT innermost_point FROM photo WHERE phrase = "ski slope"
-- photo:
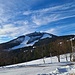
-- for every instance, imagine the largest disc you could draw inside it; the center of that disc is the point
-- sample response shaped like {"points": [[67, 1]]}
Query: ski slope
{"points": [[44, 66], [32, 39]]}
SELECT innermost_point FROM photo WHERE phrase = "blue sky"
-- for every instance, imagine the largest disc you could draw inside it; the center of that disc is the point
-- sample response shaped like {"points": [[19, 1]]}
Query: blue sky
{"points": [[20, 17]]}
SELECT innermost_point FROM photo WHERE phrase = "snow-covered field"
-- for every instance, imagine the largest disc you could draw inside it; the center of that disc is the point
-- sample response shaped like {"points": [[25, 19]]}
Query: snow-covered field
{"points": [[46, 66]]}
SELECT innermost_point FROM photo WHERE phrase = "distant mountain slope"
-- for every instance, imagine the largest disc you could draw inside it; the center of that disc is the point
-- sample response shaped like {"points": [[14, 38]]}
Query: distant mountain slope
{"points": [[32, 39], [26, 40]]}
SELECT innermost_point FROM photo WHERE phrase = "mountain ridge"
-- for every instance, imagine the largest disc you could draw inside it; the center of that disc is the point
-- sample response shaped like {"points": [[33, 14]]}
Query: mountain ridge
{"points": [[32, 39]]}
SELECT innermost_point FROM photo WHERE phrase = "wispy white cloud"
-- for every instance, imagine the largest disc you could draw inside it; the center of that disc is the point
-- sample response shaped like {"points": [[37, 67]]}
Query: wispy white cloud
{"points": [[53, 9], [14, 22], [14, 31], [52, 30], [7, 29], [43, 20], [62, 30], [51, 14]]}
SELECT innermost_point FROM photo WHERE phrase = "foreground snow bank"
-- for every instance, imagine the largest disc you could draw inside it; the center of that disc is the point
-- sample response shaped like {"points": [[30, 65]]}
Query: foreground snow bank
{"points": [[44, 66], [66, 70]]}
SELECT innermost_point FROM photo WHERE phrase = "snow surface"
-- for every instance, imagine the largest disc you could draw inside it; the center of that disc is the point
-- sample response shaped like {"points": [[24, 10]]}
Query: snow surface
{"points": [[46, 36], [34, 38], [23, 44], [51, 66]]}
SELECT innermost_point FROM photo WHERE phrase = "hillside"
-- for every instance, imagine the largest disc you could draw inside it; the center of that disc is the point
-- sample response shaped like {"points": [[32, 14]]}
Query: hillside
{"points": [[32, 39], [34, 46], [26, 40]]}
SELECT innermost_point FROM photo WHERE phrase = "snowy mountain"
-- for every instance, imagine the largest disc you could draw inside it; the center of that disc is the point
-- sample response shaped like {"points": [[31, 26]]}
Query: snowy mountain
{"points": [[32, 39], [26, 40]]}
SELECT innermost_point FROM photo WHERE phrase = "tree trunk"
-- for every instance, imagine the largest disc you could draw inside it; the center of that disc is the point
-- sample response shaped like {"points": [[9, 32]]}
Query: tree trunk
{"points": [[70, 56], [58, 56], [66, 58], [44, 60]]}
